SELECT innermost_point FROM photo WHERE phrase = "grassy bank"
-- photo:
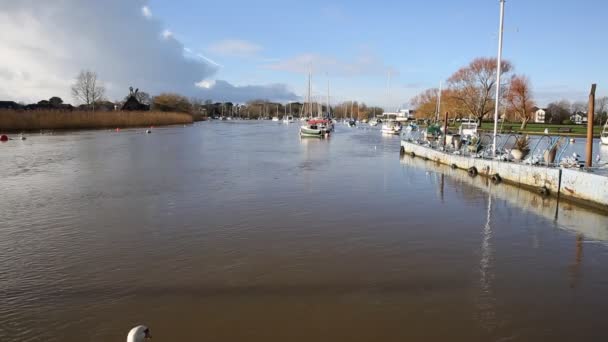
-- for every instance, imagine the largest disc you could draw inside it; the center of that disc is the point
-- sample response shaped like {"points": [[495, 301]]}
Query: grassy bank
{"points": [[17, 121], [540, 128]]}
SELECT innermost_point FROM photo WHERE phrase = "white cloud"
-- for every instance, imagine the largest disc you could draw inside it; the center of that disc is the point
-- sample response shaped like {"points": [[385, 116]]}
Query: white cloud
{"points": [[167, 34], [224, 91], [235, 48], [365, 64], [145, 11], [205, 84], [45, 44]]}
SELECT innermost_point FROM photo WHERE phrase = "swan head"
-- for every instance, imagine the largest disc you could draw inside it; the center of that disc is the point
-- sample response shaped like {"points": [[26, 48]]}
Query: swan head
{"points": [[139, 334]]}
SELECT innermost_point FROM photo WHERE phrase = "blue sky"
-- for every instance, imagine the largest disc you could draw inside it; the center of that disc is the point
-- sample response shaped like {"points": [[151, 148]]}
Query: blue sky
{"points": [[557, 44], [263, 48]]}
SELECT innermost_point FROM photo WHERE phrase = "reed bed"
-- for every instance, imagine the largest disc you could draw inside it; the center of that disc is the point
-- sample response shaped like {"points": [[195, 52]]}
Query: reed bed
{"points": [[15, 120]]}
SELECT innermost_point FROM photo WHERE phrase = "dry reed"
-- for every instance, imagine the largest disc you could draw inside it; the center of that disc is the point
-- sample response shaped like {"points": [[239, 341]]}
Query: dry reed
{"points": [[15, 120]]}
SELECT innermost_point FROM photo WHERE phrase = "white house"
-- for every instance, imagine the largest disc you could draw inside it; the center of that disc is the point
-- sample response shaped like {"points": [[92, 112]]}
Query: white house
{"points": [[579, 118], [401, 115], [539, 115]]}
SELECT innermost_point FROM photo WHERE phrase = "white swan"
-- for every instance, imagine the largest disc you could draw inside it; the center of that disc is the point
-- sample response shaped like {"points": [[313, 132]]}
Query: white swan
{"points": [[139, 334]]}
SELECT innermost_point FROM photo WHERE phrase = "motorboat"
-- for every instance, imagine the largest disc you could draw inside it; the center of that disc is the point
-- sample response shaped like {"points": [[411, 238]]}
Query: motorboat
{"points": [[468, 129], [288, 119], [391, 127], [275, 118]]}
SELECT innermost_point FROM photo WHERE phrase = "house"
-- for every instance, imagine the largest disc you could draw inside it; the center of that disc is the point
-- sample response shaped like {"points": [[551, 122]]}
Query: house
{"points": [[133, 104], [406, 114], [579, 118], [10, 105], [539, 114]]}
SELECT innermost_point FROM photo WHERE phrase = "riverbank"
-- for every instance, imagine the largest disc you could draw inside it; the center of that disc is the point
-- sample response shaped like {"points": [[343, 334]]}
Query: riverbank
{"points": [[539, 129], [20, 121]]}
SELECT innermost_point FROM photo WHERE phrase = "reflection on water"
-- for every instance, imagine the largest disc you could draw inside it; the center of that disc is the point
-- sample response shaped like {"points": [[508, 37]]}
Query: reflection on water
{"points": [[486, 297], [242, 231], [591, 224]]}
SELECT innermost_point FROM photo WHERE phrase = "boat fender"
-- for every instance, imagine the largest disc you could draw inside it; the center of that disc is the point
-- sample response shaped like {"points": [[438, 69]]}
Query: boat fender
{"points": [[4, 137], [454, 166], [544, 191], [413, 154], [496, 178], [402, 150], [473, 171]]}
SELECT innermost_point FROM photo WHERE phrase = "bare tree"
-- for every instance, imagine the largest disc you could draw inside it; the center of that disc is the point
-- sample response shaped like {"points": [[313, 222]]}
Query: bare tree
{"points": [[601, 106], [87, 89], [578, 107], [519, 99], [473, 85]]}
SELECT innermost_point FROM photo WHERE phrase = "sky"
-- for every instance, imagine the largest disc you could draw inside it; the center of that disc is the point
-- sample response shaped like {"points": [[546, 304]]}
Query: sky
{"points": [[243, 50]]}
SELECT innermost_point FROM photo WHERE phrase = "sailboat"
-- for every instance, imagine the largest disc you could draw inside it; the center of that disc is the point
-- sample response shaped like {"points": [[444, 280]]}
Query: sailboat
{"points": [[287, 118], [390, 126], [318, 127], [604, 135]]}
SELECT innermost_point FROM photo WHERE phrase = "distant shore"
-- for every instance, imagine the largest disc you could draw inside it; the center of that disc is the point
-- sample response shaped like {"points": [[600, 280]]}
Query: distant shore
{"points": [[23, 121]]}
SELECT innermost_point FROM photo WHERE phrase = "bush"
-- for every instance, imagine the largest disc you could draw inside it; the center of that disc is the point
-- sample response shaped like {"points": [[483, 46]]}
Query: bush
{"points": [[168, 102], [567, 122]]}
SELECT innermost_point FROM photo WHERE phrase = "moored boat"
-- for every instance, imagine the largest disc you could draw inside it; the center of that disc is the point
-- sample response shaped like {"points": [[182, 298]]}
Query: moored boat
{"points": [[391, 127], [604, 135], [314, 128]]}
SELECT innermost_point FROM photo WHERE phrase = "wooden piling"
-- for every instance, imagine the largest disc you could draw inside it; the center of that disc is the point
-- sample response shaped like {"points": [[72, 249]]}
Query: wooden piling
{"points": [[590, 114], [445, 129]]}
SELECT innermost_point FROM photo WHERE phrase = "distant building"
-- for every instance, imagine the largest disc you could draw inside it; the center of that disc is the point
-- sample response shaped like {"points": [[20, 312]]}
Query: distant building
{"points": [[401, 115], [579, 118], [540, 114], [10, 105]]}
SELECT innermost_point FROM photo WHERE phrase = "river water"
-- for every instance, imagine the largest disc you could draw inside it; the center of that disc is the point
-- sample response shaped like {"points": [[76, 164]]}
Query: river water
{"points": [[240, 231]]}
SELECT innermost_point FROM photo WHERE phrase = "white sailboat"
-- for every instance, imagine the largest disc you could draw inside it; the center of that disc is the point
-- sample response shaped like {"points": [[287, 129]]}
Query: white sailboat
{"points": [[390, 126], [287, 118], [604, 135]]}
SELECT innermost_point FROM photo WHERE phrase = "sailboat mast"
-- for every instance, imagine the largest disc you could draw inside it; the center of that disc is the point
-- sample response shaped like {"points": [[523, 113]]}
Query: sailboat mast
{"points": [[328, 111], [438, 112], [498, 71]]}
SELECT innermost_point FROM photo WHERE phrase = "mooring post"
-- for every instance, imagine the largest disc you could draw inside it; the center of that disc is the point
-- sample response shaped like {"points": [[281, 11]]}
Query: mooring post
{"points": [[590, 112], [445, 129]]}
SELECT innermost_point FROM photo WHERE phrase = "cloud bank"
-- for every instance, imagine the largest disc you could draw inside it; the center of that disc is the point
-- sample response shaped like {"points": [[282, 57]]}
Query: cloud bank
{"points": [[46, 43], [364, 64]]}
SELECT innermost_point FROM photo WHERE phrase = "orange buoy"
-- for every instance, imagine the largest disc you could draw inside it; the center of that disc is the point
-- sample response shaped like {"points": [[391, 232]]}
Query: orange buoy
{"points": [[3, 138]]}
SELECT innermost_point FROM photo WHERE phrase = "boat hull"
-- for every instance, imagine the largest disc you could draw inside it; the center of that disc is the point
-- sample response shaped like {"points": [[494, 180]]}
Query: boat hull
{"points": [[311, 132], [604, 140]]}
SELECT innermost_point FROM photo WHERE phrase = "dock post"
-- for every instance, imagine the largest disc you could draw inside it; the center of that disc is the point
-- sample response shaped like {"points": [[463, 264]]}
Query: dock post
{"points": [[445, 129], [590, 114]]}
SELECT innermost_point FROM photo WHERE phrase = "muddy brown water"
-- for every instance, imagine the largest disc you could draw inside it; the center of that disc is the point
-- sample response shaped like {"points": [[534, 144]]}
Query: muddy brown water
{"points": [[240, 231]]}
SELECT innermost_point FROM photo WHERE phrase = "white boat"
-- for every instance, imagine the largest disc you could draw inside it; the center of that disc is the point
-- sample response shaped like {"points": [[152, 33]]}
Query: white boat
{"points": [[288, 119], [275, 118], [604, 135], [373, 122], [468, 129], [391, 127]]}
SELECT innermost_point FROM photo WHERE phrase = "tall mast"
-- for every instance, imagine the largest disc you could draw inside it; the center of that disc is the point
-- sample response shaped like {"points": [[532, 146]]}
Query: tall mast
{"points": [[328, 111], [388, 89], [437, 113], [498, 71]]}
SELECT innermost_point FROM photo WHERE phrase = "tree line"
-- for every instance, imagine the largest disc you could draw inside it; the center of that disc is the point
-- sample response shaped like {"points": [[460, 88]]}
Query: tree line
{"points": [[471, 91], [90, 92]]}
